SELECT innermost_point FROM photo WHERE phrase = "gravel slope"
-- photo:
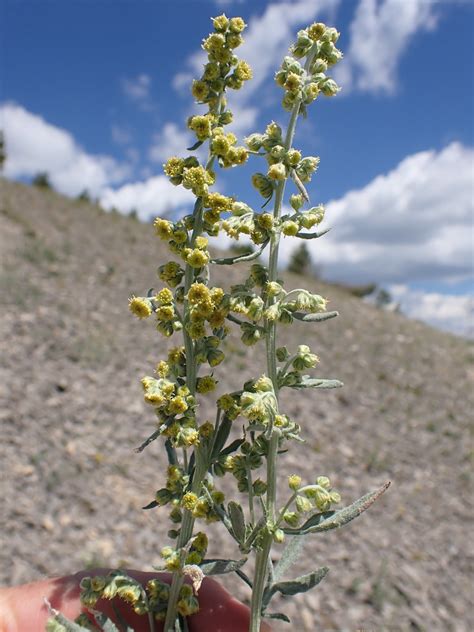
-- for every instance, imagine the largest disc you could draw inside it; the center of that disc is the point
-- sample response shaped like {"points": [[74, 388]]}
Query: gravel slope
{"points": [[71, 411]]}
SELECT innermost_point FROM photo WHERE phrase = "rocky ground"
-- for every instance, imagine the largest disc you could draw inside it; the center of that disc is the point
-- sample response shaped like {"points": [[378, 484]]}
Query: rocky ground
{"points": [[71, 412]]}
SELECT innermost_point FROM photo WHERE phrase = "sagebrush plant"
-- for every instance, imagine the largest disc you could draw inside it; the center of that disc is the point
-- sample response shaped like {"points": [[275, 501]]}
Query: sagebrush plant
{"points": [[189, 305]]}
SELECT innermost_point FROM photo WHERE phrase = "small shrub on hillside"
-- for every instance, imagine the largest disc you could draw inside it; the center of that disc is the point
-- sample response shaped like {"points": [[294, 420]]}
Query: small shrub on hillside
{"points": [[41, 180]]}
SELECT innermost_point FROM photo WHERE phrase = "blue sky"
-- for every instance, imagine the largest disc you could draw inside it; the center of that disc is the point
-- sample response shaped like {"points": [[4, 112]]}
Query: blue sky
{"points": [[97, 94]]}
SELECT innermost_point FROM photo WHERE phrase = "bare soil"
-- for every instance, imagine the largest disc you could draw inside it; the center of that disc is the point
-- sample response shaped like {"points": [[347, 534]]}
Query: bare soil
{"points": [[72, 412]]}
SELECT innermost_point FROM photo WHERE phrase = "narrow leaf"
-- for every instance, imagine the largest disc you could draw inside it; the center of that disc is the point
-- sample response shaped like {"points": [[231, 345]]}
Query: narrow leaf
{"points": [[311, 382], [237, 519], [313, 521], [290, 554], [300, 584], [343, 516], [221, 437], [267, 201], [171, 452], [277, 615], [147, 442], [219, 567], [151, 505], [244, 577], [315, 318], [312, 235], [195, 146], [106, 624], [299, 185], [61, 620], [232, 447], [222, 261]]}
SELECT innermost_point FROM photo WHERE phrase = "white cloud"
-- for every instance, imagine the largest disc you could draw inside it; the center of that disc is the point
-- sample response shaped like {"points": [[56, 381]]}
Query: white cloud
{"points": [[414, 223], [34, 145], [121, 135], [138, 90], [446, 311], [171, 141], [266, 43], [227, 3], [380, 32], [154, 196]]}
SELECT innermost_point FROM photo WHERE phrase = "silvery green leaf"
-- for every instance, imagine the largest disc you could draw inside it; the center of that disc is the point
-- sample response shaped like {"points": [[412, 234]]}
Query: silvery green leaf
{"points": [[336, 519], [299, 185], [295, 586], [307, 381], [315, 235], [106, 624], [59, 623], [277, 615], [315, 318], [290, 554], [219, 567], [237, 519], [313, 521]]}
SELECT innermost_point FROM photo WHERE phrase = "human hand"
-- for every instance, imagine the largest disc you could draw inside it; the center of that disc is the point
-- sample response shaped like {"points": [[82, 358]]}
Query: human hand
{"points": [[23, 609]]}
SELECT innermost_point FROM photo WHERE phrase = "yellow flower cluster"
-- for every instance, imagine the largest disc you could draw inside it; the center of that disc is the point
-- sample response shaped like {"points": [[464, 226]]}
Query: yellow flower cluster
{"points": [[319, 496], [175, 406], [205, 305], [203, 506], [281, 162], [214, 204], [223, 146], [318, 42], [245, 221], [171, 273]]}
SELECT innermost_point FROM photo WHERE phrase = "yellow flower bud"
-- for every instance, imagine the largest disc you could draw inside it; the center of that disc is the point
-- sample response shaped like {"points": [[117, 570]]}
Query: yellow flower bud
{"points": [[277, 171], [206, 384], [289, 228], [163, 228], [177, 405], [200, 90], [141, 307], [236, 25], [221, 22], [189, 501], [294, 482], [243, 71]]}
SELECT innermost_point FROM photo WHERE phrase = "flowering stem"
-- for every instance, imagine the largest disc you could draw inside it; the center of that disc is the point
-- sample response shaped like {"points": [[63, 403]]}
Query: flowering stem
{"points": [[263, 553], [191, 376], [270, 341]]}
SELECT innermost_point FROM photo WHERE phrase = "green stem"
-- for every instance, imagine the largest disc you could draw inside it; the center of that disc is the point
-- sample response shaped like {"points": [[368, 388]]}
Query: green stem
{"points": [[262, 558], [185, 534], [259, 582], [249, 478], [201, 468]]}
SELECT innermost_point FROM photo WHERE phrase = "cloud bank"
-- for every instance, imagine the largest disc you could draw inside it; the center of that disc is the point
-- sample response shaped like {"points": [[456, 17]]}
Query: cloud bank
{"points": [[34, 145], [414, 222], [380, 33]]}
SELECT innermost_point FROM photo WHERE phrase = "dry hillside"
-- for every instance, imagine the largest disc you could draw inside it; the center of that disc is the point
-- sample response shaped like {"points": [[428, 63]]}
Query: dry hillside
{"points": [[72, 411]]}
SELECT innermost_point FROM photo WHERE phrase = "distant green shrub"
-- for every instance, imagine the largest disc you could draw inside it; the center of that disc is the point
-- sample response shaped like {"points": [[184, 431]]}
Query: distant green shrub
{"points": [[3, 152], [300, 260], [41, 180], [84, 196]]}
